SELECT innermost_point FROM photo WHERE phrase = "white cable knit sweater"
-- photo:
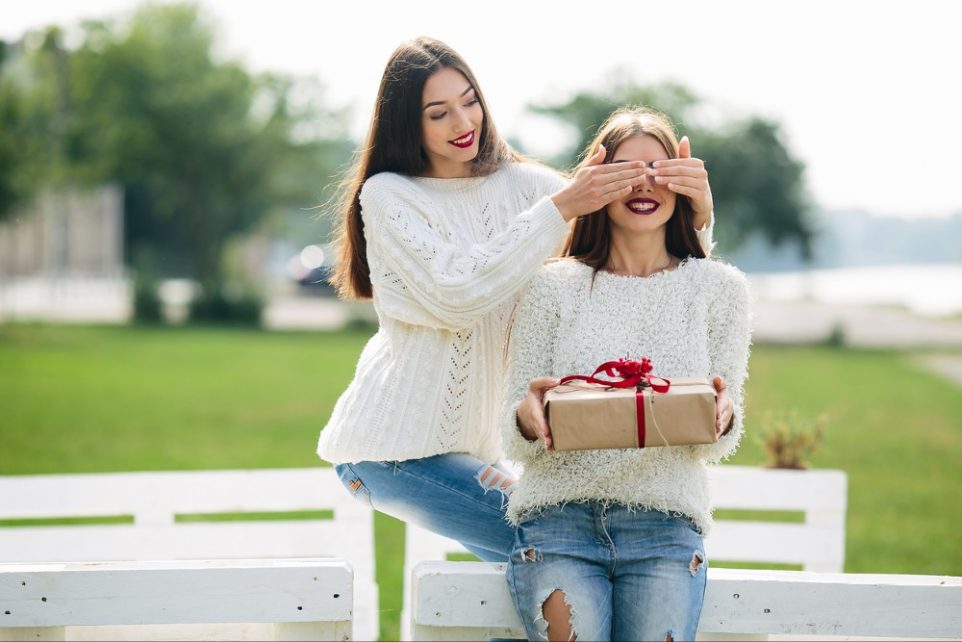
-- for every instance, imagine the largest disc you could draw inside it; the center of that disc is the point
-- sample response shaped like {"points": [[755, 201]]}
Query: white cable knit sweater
{"points": [[448, 259], [693, 321]]}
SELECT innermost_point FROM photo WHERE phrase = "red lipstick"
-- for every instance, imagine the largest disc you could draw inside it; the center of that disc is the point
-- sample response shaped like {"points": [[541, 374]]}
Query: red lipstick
{"points": [[642, 206], [464, 141]]}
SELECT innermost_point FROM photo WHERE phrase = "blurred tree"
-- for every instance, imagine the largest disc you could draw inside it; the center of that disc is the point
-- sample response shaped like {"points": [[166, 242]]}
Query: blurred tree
{"points": [[31, 118], [756, 183], [204, 149], [12, 115]]}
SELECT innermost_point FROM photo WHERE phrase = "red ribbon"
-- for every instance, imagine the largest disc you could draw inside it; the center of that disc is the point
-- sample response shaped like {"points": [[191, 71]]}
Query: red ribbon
{"points": [[630, 374]]}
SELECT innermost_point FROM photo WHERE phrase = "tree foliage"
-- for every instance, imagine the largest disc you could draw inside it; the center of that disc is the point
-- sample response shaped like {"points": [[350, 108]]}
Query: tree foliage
{"points": [[204, 149], [32, 119], [756, 182]]}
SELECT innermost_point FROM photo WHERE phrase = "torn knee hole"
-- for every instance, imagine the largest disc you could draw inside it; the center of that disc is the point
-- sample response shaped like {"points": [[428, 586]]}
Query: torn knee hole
{"points": [[531, 555], [557, 613], [491, 477], [697, 559], [669, 637], [488, 472]]}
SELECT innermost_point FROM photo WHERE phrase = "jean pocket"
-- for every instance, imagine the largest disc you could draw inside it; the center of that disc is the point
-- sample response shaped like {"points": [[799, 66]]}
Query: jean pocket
{"points": [[353, 483]]}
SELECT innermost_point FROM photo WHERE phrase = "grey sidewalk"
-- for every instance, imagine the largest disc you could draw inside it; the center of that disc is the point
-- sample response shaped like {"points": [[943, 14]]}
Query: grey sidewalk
{"points": [[775, 321]]}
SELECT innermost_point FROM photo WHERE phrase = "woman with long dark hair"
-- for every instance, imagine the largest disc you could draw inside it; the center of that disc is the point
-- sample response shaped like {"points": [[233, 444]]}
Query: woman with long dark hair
{"points": [[443, 225]]}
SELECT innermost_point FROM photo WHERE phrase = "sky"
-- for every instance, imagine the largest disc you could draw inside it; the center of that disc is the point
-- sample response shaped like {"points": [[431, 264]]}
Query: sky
{"points": [[868, 94]]}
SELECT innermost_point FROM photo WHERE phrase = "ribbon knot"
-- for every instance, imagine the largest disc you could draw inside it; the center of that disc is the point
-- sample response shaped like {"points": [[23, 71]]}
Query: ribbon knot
{"points": [[625, 373]]}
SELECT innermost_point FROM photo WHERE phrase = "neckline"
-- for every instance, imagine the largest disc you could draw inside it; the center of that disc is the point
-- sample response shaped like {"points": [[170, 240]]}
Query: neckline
{"points": [[663, 274], [451, 184]]}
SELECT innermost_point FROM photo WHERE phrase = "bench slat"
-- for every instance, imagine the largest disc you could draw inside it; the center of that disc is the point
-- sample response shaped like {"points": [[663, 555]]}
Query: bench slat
{"points": [[817, 549], [216, 540], [753, 488], [117, 593], [95, 494], [457, 600]]}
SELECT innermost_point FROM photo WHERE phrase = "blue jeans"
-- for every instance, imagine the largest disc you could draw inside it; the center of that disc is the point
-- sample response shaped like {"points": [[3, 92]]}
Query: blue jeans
{"points": [[625, 574], [454, 495]]}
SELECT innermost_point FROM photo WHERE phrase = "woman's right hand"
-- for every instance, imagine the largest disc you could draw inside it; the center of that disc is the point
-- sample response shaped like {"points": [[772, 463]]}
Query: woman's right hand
{"points": [[530, 417], [596, 184]]}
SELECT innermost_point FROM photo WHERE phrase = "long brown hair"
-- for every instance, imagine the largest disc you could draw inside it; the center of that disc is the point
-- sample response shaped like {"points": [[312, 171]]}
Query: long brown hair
{"points": [[394, 144], [590, 238]]}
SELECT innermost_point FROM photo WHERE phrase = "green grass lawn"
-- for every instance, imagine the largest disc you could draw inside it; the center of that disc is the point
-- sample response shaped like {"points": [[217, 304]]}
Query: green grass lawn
{"points": [[90, 399]]}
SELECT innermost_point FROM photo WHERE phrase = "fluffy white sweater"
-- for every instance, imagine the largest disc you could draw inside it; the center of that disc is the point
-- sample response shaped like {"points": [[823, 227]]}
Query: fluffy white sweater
{"points": [[693, 321], [448, 259]]}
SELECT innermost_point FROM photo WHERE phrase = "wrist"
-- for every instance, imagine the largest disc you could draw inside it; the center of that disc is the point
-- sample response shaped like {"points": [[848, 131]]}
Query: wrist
{"points": [[529, 436], [731, 424], [565, 207], [701, 219]]}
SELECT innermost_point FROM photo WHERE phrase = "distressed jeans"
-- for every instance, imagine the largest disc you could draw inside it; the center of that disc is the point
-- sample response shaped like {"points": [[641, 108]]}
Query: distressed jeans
{"points": [[454, 495], [624, 574]]}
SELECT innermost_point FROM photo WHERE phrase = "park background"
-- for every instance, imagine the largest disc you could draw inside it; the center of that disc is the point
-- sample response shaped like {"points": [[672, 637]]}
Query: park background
{"points": [[166, 172]]}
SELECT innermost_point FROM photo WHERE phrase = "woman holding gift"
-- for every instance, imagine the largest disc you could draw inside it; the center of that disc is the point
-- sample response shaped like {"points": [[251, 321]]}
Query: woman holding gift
{"points": [[443, 225], [609, 542]]}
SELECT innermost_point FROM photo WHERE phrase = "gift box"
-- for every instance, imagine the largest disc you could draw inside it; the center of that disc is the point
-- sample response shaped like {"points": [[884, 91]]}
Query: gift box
{"points": [[633, 409]]}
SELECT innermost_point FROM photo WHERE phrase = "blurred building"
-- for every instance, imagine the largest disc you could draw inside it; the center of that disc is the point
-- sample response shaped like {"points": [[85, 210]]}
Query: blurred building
{"points": [[66, 233]]}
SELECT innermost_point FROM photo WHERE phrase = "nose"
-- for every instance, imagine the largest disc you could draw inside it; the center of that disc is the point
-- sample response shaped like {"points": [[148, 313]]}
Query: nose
{"points": [[647, 183]]}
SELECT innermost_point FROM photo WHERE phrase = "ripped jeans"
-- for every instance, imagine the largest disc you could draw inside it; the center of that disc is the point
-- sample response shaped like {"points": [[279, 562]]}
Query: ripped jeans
{"points": [[453, 494], [623, 574]]}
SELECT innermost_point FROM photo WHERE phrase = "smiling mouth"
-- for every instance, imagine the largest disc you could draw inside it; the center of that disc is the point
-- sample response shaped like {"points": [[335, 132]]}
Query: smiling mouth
{"points": [[465, 141], [643, 206]]}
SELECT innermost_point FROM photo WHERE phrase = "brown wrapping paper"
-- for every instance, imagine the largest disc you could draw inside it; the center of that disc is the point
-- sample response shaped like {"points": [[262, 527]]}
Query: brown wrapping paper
{"points": [[587, 416]]}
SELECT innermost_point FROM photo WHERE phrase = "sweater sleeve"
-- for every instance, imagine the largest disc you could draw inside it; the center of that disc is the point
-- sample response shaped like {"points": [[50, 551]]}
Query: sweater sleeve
{"points": [[431, 281], [729, 340], [530, 348], [706, 235]]}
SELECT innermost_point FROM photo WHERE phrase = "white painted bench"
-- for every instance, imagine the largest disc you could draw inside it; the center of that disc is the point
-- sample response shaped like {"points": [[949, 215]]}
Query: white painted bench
{"points": [[296, 599], [161, 510], [816, 544], [470, 601]]}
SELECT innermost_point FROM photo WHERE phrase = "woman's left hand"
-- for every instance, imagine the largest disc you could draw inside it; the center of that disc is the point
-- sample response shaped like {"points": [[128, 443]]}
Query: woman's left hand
{"points": [[724, 407], [687, 176]]}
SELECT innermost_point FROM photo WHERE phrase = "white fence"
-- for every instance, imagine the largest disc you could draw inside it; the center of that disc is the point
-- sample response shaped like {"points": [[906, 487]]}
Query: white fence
{"points": [[470, 601], [162, 508], [816, 544]]}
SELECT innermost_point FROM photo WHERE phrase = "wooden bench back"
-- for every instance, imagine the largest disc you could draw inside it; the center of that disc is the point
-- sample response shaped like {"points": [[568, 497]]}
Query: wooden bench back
{"points": [[162, 505], [817, 544], [470, 601], [290, 599]]}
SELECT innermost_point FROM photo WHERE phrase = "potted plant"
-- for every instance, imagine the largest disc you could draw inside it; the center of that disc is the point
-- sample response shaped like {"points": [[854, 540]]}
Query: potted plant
{"points": [[789, 439]]}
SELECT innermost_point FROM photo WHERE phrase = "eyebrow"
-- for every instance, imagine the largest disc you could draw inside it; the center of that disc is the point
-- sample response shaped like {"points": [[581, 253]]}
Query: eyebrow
{"points": [[441, 102]]}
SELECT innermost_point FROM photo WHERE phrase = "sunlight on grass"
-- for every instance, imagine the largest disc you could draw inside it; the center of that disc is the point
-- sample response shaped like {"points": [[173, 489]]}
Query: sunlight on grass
{"points": [[101, 399]]}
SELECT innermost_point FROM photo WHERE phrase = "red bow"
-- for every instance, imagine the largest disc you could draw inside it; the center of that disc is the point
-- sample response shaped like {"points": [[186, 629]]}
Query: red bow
{"points": [[631, 374]]}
